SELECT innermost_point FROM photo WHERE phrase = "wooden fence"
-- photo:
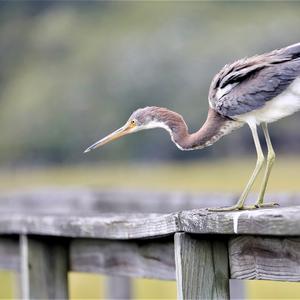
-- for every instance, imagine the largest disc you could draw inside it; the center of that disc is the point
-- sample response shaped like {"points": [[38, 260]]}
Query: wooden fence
{"points": [[167, 236]]}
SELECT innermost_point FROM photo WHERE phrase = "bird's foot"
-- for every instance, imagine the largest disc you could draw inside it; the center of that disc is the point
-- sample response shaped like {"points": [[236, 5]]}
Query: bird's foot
{"points": [[260, 204], [227, 208], [246, 207]]}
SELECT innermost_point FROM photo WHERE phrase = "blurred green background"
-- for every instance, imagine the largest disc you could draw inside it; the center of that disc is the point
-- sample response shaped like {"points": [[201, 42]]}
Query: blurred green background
{"points": [[72, 71]]}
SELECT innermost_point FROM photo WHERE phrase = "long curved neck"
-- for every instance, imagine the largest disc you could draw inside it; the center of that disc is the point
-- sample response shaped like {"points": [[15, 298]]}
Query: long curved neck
{"points": [[212, 130]]}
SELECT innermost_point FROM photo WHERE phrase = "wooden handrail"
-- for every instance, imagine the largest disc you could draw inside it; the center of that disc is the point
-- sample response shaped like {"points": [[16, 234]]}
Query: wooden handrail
{"points": [[283, 221], [199, 249]]}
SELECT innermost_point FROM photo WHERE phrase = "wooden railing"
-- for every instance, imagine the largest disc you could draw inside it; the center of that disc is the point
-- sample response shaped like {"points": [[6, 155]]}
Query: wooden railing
{"points": [[45, 234]]}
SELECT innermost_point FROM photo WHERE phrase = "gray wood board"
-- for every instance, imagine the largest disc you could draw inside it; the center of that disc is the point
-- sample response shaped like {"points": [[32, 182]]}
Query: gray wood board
{"points": [[275, 221], [116, 226], [139, 258], [265, 258], [250, 257]]}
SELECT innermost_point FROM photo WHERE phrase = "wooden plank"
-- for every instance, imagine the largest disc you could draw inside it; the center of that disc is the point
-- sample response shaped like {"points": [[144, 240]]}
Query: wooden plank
{"points": [[274, 221], [139, 258], [201, 268], [113, 226], [9, 254], [44, 268], [265, 258], [118, 288]]}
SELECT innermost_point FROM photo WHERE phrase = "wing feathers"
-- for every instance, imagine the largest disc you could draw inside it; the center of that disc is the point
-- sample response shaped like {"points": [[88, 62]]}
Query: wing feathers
{"points": [[257, 80], [293, 51]]}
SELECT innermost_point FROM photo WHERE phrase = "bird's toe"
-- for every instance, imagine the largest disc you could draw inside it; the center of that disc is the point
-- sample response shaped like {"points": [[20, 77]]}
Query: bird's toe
{"points": [[269, 204]]}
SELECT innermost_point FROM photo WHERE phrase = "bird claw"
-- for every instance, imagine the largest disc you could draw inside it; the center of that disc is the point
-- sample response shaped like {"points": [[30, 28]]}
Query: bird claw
{"points": [[270, 204], [249, 207], [226, 208]]}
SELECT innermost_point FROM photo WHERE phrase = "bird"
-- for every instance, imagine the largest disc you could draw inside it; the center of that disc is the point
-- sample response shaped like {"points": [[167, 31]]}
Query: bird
{"points": [[253, 91]]}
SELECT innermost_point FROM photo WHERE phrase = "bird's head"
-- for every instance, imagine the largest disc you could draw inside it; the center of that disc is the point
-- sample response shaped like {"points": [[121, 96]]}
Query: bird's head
{"points": [[142, 118]]}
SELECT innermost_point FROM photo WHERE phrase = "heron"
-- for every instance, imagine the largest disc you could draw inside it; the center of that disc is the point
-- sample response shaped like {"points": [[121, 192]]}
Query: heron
{"points": [[255, 90]]}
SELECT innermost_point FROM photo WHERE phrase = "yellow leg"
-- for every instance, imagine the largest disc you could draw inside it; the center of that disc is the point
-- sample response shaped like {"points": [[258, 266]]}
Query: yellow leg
{"points": [[260, 160], [270, 162]]}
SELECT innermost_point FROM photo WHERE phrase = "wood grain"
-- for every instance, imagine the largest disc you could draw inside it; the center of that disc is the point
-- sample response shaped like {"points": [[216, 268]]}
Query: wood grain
{"points": [[265, 258], [44, 269], [140, 258], [201, 268], [113, 226], [136, 244], [275, 221]]}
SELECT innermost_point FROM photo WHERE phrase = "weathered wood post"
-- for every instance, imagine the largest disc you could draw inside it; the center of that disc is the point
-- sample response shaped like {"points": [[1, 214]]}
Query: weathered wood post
{"points": [[201, 268], [44, 268]]}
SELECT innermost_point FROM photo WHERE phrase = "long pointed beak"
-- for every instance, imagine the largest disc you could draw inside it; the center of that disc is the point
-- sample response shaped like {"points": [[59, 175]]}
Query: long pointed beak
{"points": [[126, 129]]}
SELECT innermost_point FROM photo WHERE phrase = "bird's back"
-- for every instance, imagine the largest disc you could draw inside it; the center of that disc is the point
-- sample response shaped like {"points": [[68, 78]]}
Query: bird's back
{"points": [[250, 83], [293, 51]]}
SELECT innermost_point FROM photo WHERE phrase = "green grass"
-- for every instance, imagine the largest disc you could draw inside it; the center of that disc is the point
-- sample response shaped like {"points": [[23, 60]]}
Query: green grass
{"points": [[7, 288], [86, 286], [220, 175]]}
